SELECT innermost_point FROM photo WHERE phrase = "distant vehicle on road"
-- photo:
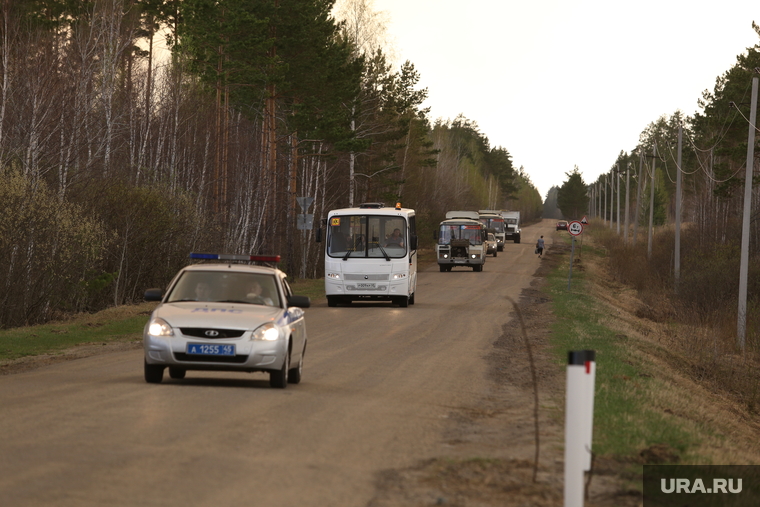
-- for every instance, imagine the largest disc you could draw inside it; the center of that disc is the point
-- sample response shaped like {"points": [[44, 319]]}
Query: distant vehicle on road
{"points": [[461, 241], [562, 225], [512, 225], [492, 246], [494, 223]]}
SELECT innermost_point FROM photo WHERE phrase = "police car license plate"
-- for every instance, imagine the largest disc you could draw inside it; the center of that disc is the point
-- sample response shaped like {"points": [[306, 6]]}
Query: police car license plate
{"points": [[203, 349], [365, 285]]}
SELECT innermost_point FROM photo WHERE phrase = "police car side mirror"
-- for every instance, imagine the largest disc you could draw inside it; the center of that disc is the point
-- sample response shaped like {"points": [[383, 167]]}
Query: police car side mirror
{"points": [[154, 295], [299, 301]]}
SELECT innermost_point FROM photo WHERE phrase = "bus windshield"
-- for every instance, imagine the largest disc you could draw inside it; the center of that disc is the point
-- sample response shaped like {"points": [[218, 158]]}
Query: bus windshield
{"points": [[497, 224], [367, 236], [469, 232]]}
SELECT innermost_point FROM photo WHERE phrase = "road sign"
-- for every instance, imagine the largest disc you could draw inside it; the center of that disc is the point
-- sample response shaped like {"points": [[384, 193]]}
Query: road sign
{"points": [[584, 220], [304, 222], [575, 228], [304, 202]]}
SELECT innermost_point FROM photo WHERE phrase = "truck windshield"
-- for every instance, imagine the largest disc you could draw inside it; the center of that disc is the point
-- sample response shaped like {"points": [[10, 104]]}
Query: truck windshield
{"points": [[469, 232], [362, 236]]}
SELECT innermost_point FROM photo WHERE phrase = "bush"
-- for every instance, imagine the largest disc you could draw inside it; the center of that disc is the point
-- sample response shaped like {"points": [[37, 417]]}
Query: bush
{"points": [[153, 232], [48, 247]]}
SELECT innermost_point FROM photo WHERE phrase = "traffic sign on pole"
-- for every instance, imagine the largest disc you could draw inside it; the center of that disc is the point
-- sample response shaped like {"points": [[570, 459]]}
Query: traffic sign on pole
{"points": [[575, 228]]}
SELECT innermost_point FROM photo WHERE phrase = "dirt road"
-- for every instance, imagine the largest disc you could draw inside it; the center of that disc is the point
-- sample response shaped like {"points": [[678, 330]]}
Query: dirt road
{"points": [[425, 405]]}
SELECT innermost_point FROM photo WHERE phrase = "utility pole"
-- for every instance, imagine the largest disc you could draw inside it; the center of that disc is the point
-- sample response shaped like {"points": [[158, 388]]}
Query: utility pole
{"points": [[638, 197], [741, 328], [612, 195], [617, 182], [604, 187], [599, 198], [677, 266], [627, 200], [651, 206]]}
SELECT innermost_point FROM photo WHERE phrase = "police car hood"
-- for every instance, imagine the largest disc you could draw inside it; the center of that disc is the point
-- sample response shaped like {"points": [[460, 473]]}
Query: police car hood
{"points": [[217, 315]]}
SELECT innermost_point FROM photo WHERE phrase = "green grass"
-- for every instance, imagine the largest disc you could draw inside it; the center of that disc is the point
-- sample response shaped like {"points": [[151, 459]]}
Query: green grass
{"points": [[50, 338], [315, 289], [123, 323], [623, 423]]}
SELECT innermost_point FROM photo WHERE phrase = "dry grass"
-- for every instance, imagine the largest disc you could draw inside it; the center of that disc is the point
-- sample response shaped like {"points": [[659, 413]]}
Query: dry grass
{"points": [[698, 377]]}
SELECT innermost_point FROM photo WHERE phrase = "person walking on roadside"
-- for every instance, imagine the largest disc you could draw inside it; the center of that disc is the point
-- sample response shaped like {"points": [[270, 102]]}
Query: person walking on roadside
{"points": [[540, 246]]}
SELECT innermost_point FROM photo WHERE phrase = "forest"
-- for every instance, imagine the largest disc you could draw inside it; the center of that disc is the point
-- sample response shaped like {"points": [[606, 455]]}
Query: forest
{"points": [[133, 132]]}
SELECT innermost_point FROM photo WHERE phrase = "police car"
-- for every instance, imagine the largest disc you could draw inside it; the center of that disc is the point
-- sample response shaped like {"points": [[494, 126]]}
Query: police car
{"points": [[227, 313]]}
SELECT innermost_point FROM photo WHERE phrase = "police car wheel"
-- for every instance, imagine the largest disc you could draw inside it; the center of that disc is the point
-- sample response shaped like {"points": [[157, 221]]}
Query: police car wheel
{"points": [[294, 375], [279, 378], [154, 373], [177, 373]]}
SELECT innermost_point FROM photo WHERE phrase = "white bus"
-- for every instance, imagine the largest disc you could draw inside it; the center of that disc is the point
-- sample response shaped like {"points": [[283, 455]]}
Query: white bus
{"points": [[494, 222], [370, 254]]}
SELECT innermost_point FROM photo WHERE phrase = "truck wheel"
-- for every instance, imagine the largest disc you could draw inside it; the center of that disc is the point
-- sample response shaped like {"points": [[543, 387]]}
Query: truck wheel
{"points": [[517, 239], [494, 252], [443, 268]]}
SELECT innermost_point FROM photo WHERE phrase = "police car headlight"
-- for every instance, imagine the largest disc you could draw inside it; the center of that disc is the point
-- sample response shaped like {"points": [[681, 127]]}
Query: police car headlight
{"points": [[398, 276], [159, 327], [268, 332], [334, 276]]}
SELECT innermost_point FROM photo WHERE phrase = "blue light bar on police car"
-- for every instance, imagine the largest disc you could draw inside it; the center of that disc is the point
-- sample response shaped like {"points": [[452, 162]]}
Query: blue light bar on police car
{"points": [[234, 257]]}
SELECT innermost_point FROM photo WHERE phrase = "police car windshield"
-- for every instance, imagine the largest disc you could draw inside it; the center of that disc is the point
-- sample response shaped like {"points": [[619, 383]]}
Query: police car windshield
{"points": [[367, 236], [225, 287]]}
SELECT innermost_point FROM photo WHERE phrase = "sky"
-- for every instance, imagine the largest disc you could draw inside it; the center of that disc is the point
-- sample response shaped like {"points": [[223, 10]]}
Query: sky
{"points": [[560, 84]]}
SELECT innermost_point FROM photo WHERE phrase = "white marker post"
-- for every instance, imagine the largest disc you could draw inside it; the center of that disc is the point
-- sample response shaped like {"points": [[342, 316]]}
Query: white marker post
{"points": [[579, 407], [590, 378]]}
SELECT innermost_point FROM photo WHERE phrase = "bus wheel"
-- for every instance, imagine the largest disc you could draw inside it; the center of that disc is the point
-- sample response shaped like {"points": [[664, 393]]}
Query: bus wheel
{"points": [[403, 301], [332, 301], [411, 298]]}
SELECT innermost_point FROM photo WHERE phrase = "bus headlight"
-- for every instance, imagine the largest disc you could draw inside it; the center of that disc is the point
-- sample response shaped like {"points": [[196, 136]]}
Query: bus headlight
{"points": [[333, 276], [398, 276]]}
